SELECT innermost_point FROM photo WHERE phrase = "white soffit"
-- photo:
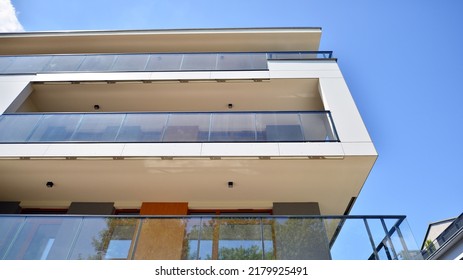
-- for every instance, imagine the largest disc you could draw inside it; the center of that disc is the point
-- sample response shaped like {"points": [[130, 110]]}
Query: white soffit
{"points": [[199, 40]]}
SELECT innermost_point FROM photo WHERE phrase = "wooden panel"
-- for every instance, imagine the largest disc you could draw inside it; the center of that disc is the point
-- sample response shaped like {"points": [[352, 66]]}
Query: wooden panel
{"points": [[164, 208], [162, 238]]}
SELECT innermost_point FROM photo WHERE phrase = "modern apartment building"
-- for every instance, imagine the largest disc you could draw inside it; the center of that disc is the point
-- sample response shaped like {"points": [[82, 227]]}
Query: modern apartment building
{"points": [[183, 144]]}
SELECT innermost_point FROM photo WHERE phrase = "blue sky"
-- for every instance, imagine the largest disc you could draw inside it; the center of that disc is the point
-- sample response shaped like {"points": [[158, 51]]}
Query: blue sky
{"points": [[402, 60]]}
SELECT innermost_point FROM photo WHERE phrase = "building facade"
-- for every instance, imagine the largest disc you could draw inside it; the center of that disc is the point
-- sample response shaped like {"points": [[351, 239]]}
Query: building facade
{"points": [[182, 144]]}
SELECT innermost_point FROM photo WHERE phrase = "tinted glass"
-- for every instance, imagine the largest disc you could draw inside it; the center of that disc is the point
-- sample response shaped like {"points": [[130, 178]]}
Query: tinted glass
{"points": [[56, 128], [233, 127], [98, 127], [17, 128], [142, 128], [96, 63], [135, 62], [164, 62], [64, 63]]}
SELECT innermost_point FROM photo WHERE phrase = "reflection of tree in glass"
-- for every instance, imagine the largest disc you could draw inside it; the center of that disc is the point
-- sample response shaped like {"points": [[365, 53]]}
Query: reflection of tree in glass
{"points": [[301, 239], [252, 253], [229, 238], [116, 229]]}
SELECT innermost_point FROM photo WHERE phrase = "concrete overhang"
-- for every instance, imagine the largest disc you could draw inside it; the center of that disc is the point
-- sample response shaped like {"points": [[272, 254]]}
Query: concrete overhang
{"points": [[173, 40], [202, 182]]}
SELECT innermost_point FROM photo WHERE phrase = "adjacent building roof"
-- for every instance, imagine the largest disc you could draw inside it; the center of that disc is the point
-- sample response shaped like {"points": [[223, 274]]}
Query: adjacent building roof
{"points": [[446, 237]]}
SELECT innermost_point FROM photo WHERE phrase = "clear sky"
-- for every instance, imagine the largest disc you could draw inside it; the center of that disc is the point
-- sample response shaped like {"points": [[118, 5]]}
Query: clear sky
{"points": [[402, 60]]}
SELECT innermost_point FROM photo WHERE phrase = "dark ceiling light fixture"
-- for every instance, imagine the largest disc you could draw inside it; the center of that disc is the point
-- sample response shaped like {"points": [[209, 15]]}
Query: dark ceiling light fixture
{"points": [[49, 184], [230, 105], [231, 185], [96, 107]]}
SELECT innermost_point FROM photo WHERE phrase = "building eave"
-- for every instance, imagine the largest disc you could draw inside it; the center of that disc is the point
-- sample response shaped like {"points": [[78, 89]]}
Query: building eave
{"points": [[165, 40]]}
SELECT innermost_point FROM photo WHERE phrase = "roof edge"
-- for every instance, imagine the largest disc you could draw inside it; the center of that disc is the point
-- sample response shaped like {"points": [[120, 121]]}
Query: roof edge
{"points": [[151, 31]]}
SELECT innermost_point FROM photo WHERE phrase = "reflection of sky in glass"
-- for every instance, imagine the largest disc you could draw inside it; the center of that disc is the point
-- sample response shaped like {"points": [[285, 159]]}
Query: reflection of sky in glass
{"points": [[352, 242], [118, 249]]}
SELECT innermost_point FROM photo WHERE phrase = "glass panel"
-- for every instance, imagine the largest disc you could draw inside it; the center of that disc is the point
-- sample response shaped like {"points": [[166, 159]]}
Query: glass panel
{"points": [[207, 239], [64, 63], [268, 234], [98, 127], [74, 237], [199, 62], [28, 64], [35, 239], [187, 128], [240, 239], [164, 62], [289, 55], [56, 128], [64, 238], [232, 61], [316, 127], [405, 244], [310, 55], [135, 62], [17, 128], [192, 239], [6, 61], [142, 128], [9, 226], [97, 63], [301, 238], [104, 238], [352, 242], [259, 61], [380, 239], [278, 127], [233, 127]]}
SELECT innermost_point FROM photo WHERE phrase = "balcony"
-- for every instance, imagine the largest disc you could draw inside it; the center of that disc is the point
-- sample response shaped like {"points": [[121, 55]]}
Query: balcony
{"points": [[154, 62], [205, 237], [301, 126], [455, 228]]}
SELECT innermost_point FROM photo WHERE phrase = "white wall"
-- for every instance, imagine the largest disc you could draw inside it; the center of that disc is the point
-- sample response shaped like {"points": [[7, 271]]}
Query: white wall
{"points": [[12, 87]]}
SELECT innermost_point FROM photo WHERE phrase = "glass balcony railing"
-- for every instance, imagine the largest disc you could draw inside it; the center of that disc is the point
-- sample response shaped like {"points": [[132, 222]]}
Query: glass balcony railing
{"points": [[168, 127], [33, 64], [205, 237]]}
